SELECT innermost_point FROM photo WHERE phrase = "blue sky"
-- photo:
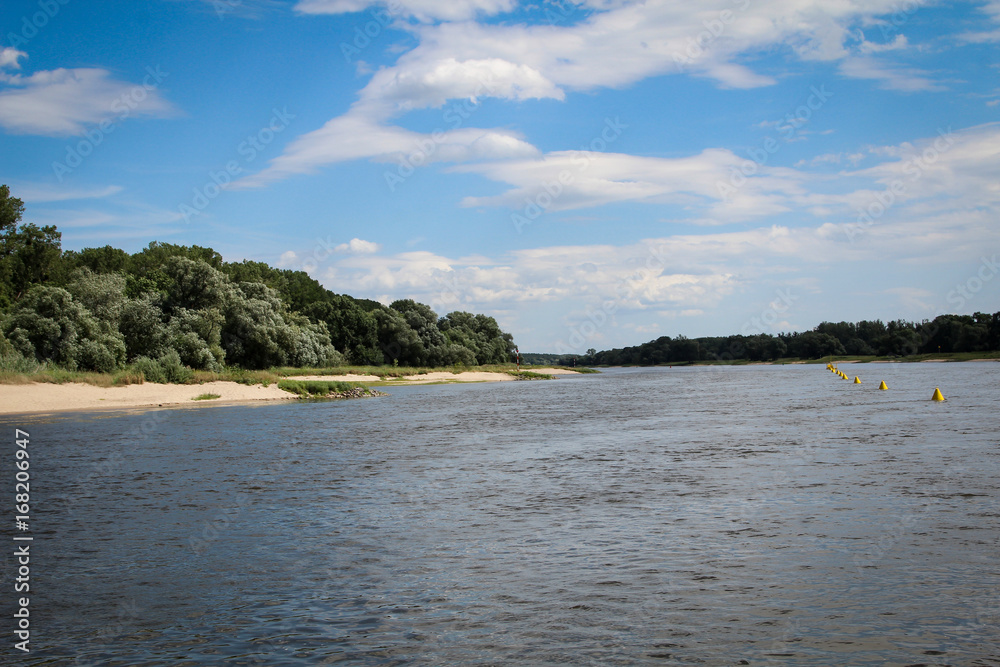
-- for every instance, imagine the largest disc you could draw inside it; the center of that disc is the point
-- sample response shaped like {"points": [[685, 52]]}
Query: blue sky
{"points": [[593, 174]]}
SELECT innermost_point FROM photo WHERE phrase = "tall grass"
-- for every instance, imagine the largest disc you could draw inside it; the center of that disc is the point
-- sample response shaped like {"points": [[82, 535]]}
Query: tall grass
{"points": [[306, 388], [15, 369]]}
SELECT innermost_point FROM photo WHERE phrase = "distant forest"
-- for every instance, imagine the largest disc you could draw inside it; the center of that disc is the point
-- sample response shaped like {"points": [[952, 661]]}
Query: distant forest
{"points": [[945, 333], [169, 308]]}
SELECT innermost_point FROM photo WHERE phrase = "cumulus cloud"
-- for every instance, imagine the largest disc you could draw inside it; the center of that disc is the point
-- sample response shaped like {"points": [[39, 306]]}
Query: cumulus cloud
{"points": [[9, 57], [615, 45], [357, 136], [714, 181], [956, 170], [358, 247], [288, 259], [66, 102], [432, 84]]}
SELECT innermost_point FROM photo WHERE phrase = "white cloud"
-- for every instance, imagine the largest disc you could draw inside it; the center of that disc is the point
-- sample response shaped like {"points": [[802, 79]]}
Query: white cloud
{"points": [[956, 170], [891, 77], [693, 276], [40, 193], [355, 136], [914, 299], [704, 183], [358, 247], [288, 259], [992, 10], [432, 84], [615, 45], [65, 102], [9, 57], [867, 47], [423, 10]]}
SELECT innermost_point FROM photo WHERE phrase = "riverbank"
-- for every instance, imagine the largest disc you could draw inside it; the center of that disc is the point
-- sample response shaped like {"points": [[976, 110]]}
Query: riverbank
{"points": [[44, 397], [843, 359]]}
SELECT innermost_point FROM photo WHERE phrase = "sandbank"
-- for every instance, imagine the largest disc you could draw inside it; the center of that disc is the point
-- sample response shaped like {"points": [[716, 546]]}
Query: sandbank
{"points": [[435, 376], [45, 397], [75, 396]]}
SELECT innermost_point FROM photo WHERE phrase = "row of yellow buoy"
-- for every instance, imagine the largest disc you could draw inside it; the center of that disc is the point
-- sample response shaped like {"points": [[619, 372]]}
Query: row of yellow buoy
{"points": [[938, 396]]}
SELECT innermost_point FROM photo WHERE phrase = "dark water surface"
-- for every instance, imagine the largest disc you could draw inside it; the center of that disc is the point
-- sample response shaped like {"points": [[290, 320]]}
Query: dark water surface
{"points": [[747, 515]]}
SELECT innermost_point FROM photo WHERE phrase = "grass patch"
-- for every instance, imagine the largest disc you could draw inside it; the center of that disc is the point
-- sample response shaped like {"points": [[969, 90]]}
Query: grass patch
{"points": [[206, 397], [238, 375], [120, 378], [529, 375], [315, 388]]}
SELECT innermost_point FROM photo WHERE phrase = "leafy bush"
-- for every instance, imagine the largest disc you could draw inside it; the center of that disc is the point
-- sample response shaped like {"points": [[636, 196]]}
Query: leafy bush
{"points": [[150, 369], [15, 362], [317, 387], [166, 369], [103, 295], [174, 369]]}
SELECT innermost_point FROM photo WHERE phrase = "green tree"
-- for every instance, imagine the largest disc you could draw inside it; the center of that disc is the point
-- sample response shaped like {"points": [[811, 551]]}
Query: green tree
{"points": [[101, 294], [194, 284], [105, 259], [142, 325], [352, 330], [29, 254], [397, 340], [196, 335], [48, 325]]}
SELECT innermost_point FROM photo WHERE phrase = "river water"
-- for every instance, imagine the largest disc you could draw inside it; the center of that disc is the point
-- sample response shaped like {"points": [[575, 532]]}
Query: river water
{"points": [[762, 515]]}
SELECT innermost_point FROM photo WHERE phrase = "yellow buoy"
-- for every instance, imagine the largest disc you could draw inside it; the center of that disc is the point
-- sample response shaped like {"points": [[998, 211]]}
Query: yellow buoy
{"points": [[883, 386], [857, 380], [938, 396]]}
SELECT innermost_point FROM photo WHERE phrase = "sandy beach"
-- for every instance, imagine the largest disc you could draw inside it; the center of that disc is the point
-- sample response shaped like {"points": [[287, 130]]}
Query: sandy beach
{"points": [[46, 397], [437, 376]]}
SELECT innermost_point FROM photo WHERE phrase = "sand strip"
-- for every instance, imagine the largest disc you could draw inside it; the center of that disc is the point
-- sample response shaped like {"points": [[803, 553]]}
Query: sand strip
{"points": [[46, 397], [75, 396]]}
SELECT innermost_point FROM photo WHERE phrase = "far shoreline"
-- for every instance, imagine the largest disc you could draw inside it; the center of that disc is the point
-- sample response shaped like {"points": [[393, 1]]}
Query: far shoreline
{"points": [[917, 359]]}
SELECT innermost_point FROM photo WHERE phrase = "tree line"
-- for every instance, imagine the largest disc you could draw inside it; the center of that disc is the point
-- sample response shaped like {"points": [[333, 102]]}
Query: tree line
{"points": [[171, 307], [946, 333]]}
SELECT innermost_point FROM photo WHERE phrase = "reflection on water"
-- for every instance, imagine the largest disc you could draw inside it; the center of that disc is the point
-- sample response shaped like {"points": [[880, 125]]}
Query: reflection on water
{"points": [[747, 515]]}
